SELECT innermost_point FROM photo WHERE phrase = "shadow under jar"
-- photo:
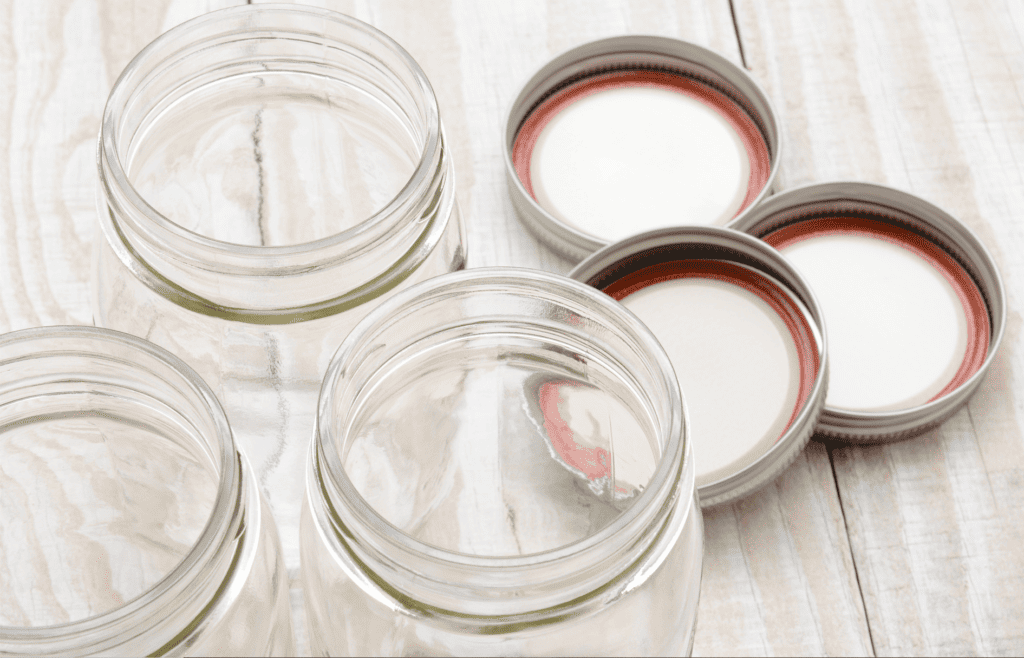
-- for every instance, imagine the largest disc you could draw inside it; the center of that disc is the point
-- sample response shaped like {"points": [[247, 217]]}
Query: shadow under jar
{"points": [[268, 174], [131, 523], [501, 467]]}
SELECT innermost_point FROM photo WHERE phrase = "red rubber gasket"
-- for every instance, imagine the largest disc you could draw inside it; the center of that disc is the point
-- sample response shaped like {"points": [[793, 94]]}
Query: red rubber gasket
{"points": [[738, 119], [975, 309]]}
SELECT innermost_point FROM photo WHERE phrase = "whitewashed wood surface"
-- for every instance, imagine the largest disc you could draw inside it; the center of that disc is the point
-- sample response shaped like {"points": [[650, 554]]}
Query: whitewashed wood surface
{"points": [[912, 548]]}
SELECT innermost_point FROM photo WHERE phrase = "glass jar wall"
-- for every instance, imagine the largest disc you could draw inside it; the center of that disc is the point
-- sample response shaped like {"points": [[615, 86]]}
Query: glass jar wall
{"points": [[501, 467], [131, 523], [269, 174]]}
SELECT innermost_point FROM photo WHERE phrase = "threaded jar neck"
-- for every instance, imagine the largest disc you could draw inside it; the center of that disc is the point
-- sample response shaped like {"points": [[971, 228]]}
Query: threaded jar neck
{"points": [[237, 67], [568, 337], [108, 379]]}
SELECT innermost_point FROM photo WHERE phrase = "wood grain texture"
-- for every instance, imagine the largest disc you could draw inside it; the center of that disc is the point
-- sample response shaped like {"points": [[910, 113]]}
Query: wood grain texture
{"points": [[778, 575], [925, 96], [922, 95], [58, 60]]}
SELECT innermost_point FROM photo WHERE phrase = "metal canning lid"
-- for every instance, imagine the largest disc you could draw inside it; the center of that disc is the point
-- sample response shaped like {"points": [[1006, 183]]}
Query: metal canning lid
{"points": [[745, 336], [914, 303], [636, 132]]}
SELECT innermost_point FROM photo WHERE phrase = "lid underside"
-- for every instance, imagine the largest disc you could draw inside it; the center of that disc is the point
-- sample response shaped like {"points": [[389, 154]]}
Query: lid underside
{"points": [[913, 301], [743, 352], [655, 147], [572, 179], [743, 336]]}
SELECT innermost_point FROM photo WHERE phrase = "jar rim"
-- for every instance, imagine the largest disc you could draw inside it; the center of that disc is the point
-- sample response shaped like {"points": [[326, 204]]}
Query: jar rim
{"points": [[651, 506], [221, 256], [200, 561]]}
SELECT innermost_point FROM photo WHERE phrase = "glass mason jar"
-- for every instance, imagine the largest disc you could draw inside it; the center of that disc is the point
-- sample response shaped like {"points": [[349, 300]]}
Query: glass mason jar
{"points": [[501, 467], [131, 523], [268, 174]]}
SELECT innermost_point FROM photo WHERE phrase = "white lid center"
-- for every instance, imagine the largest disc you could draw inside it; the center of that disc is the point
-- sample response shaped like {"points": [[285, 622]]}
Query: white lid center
{"points": [[736, 362], [897, 330], [631, 158]]}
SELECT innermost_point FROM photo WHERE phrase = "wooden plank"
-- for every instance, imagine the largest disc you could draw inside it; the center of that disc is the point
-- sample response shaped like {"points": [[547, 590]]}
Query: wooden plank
{"points": [[58, 60], [925, 96], [778, 575]]}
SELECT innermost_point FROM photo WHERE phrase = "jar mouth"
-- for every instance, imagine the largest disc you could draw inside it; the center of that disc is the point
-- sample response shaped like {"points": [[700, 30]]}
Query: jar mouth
{"points": [[582, 563], [59, 361], [256, 23]]}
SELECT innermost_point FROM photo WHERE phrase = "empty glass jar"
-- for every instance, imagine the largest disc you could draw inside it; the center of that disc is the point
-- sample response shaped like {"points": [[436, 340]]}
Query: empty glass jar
{"points": [[131, 523], [501, 467], [268, 174]]}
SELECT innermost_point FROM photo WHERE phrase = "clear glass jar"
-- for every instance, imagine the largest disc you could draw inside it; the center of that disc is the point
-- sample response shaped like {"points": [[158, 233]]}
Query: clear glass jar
{"points": [[501, 467], [268, 174], [131, 523]]}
